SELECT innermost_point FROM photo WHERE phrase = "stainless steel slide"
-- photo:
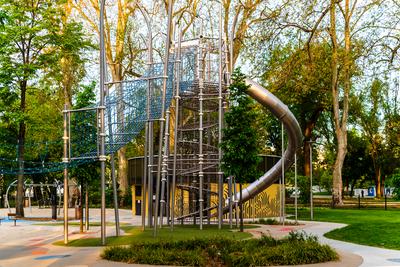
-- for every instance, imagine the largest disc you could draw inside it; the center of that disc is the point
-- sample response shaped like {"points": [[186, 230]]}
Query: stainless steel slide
{"points": [[293, 131]]}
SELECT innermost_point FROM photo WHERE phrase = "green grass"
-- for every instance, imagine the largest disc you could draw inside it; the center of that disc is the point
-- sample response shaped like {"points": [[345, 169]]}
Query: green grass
{"points": [[372, 227], [296, 249], [134, 234]]}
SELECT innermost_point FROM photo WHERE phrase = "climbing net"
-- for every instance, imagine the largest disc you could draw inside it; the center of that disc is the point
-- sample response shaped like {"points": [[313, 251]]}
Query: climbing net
{"points": [[126, 113]]}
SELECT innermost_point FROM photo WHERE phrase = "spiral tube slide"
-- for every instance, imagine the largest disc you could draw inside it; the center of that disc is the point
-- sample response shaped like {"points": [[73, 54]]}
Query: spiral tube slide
{"points": [[292, 127]]}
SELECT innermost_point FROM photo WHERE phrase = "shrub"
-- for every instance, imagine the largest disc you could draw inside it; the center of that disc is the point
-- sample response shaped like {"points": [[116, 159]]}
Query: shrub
{"points": [[395, 182], [297, 248]]}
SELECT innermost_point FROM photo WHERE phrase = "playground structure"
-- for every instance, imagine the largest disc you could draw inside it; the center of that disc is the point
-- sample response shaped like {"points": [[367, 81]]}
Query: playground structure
{"points": [[182, 102], [186, 97]]}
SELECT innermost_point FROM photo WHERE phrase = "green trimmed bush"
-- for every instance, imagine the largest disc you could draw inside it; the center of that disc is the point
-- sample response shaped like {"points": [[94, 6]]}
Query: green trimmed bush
{"points": [[297, 248]]}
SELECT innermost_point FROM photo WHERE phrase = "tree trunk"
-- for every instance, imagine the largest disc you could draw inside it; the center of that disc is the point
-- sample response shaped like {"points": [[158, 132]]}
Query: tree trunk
{"points": [[340, 114], [19, 205], [306, 152], [308, 132], [378, 182], [337, 188], [123, 171], [241, 207], [341, 148]]}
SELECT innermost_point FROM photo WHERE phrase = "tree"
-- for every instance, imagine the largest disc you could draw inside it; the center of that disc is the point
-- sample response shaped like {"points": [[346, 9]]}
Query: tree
{"points": [[30, 43], [339, 116], [302, 83], [28, 33], [368, 108], [239, 143], [358, 165]]}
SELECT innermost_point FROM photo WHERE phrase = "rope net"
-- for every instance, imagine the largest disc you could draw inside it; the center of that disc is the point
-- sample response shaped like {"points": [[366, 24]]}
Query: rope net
{"points": [[126, 113]]}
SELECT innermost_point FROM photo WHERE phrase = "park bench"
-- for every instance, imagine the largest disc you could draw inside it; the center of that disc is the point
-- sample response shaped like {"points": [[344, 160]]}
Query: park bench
{"points": [[12, 216]]}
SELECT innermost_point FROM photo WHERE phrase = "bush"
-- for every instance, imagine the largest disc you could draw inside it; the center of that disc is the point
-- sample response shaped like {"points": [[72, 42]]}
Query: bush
{"points": [[395, 182], [297, 248]]}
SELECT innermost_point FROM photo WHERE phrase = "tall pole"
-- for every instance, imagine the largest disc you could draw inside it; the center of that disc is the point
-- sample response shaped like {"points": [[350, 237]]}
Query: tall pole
{"points": [[162, 120], [177, 98], [201, 156], [295, 186], [164, 173], [146, 170], [311, 185], [114, 184], [102, 157], [230, 200], [113, 177], [65, 161], [283, 175], [220, 173], [86, 207]]}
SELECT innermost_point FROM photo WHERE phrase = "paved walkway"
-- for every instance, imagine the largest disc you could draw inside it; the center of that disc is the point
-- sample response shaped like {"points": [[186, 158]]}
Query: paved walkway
{"points": [[372, 256], [31, 245]]}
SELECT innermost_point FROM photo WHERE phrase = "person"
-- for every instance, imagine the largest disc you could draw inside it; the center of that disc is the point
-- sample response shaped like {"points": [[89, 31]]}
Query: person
{"points": [[362, 193]]}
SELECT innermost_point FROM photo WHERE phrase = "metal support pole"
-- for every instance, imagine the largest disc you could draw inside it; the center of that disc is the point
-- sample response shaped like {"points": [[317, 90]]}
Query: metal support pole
{"points": [[230, 200], [236, 202], [283, 175], [164, 172], [311, 185], [166, 60], [146, 172], [295, 186], [150, 175], [65, 161], [114, 183], [177, 98], [81, 207], [201, 156], [102, 157], [220, 121], [144, 180], [86, 207]]}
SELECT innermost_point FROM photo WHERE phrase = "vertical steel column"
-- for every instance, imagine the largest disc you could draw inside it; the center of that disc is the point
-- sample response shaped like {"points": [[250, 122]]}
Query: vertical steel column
{"points": [[86, 207], [164, 172], [311, 185], [144, 180], [114, 184], [102, 157], [146, 175], [162, 120], [113, 178], [220, 121], [236, 202], [230, 200], [65, 161], [201, 156], [150, 173], [295, 186], [283, 175], [181, 179], [177, 98]]}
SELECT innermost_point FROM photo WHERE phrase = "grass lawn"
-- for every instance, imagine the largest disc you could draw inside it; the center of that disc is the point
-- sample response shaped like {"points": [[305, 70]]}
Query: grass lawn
{"points": [[372, 227], [134, 234]]}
